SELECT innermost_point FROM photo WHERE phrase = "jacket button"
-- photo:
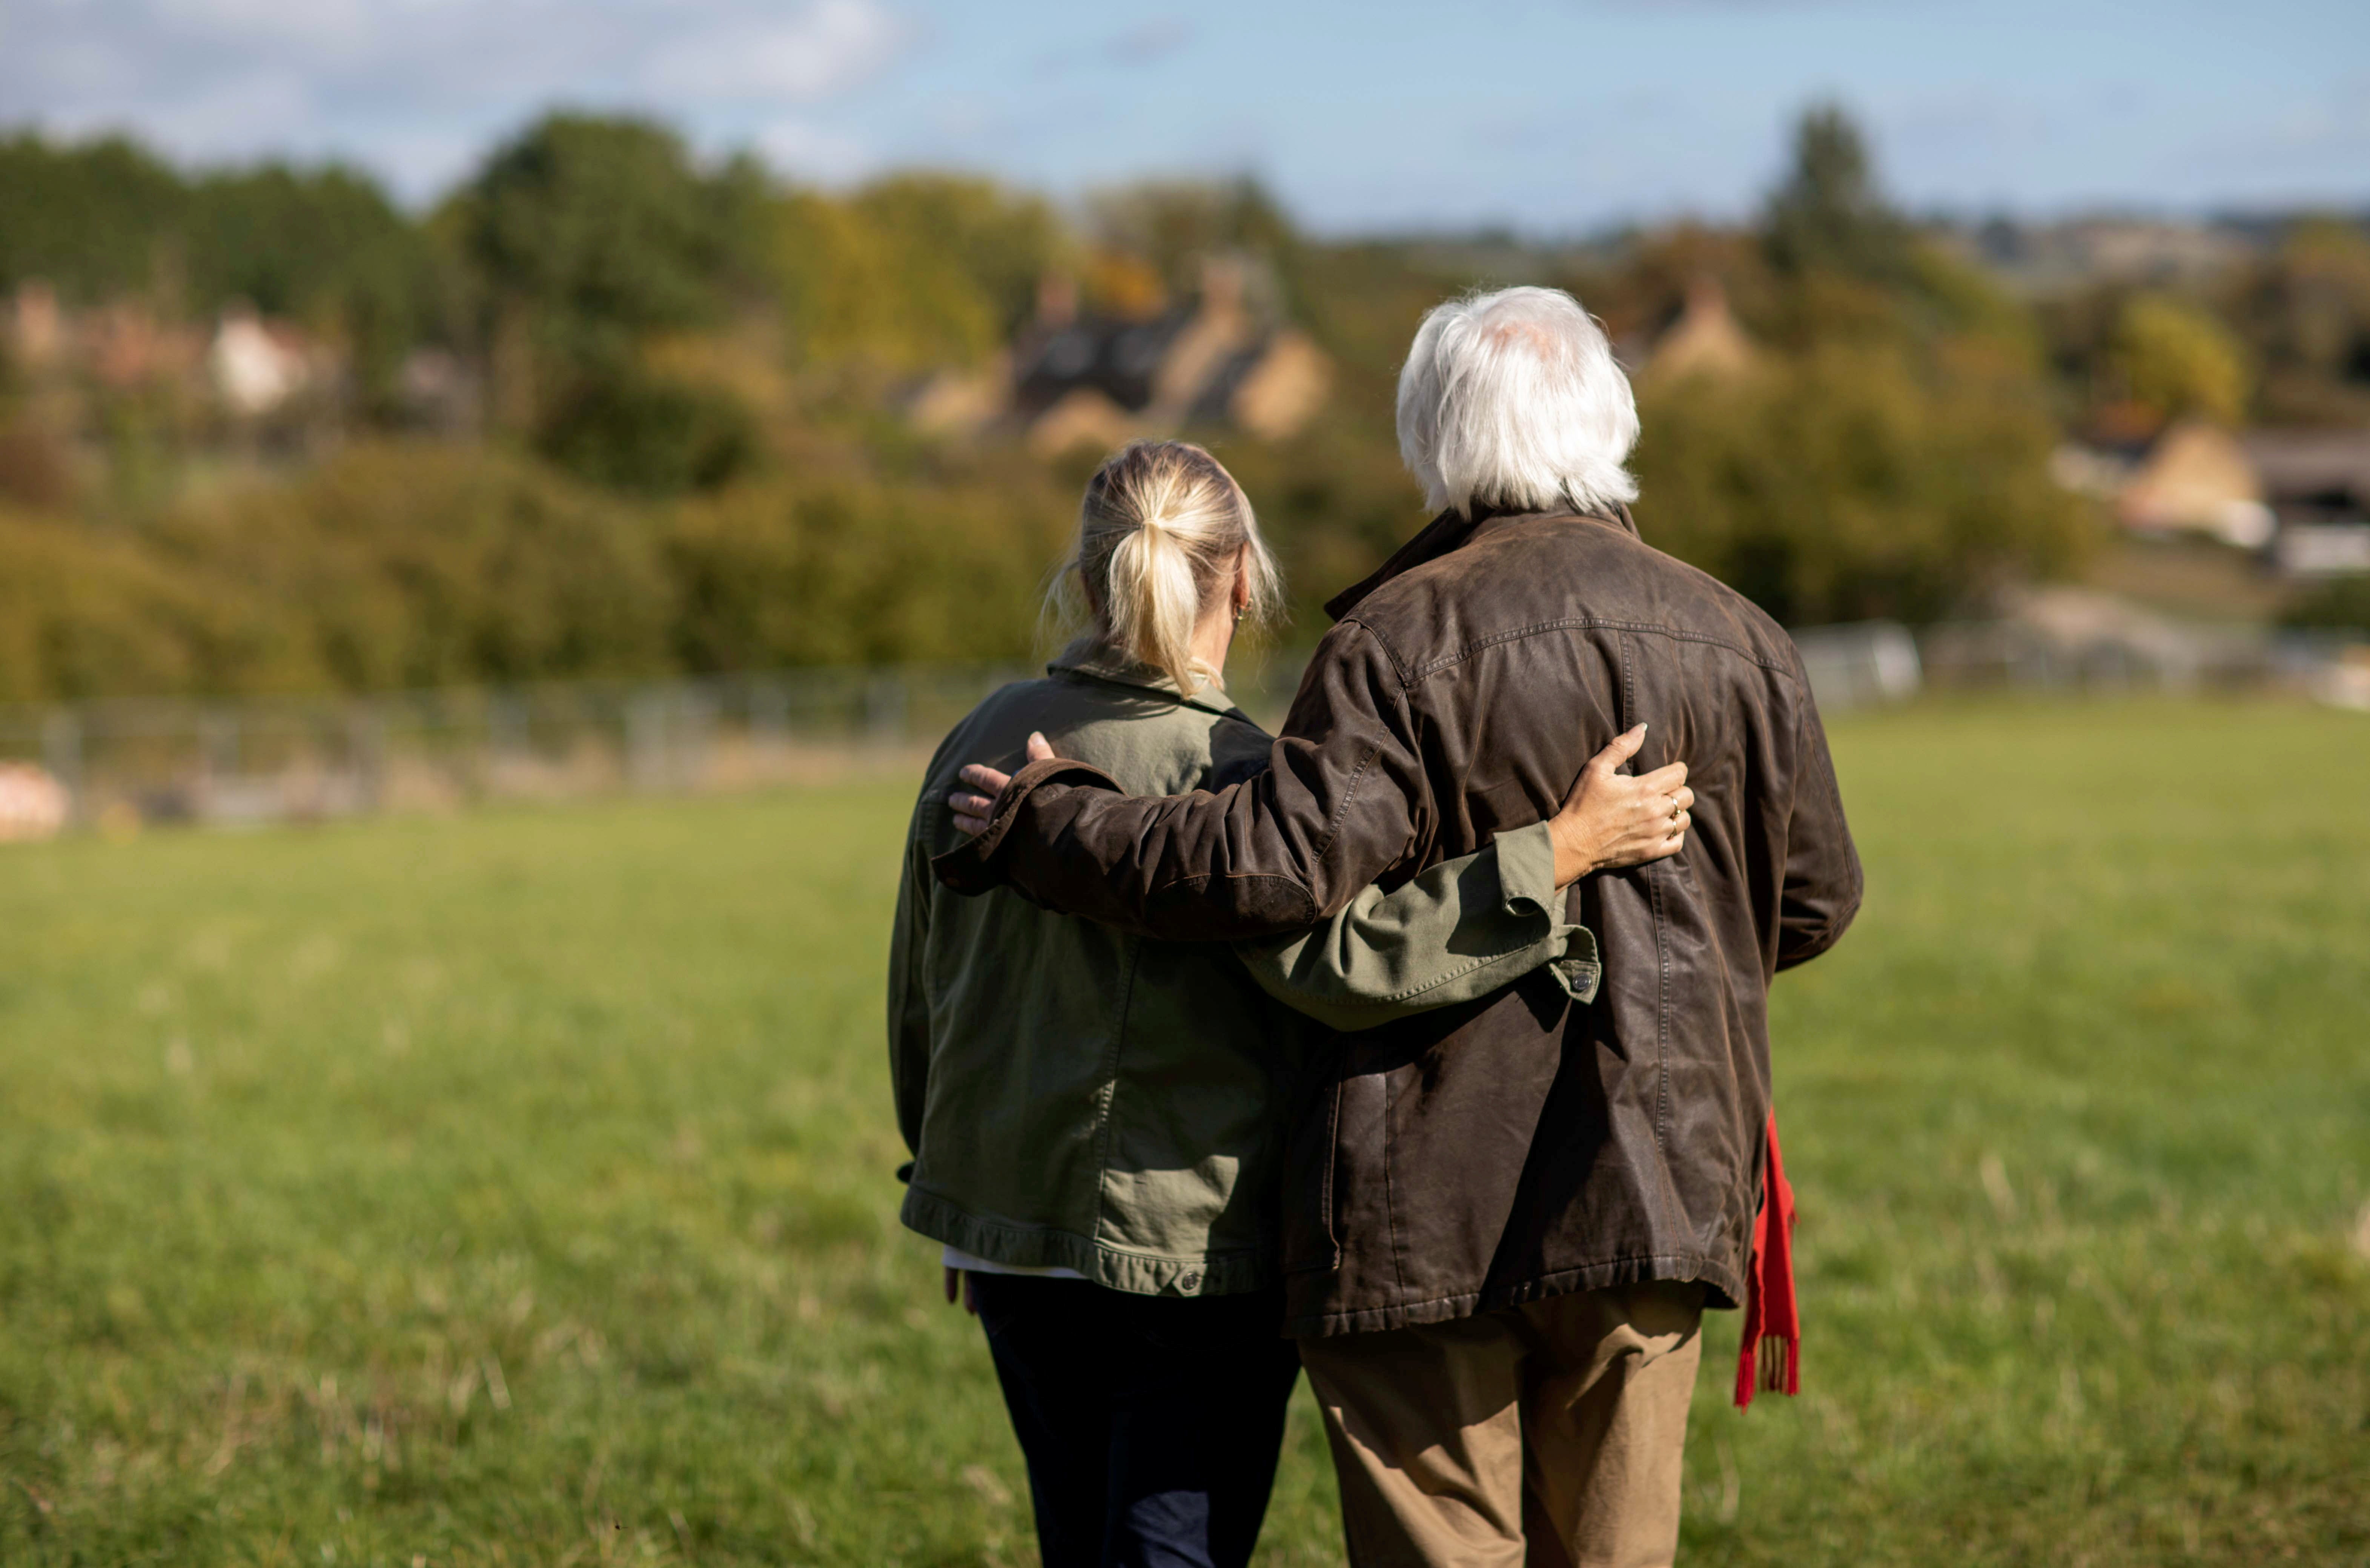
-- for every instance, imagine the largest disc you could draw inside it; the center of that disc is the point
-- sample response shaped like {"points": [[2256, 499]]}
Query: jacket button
{"points": [[1188, 1282]]}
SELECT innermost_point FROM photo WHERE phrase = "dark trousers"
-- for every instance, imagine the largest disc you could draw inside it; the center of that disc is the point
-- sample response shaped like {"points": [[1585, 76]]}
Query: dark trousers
{"points": [[1151, 1424]]}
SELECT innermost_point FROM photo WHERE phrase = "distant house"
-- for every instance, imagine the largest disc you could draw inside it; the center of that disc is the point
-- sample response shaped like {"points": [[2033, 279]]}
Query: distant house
{"points": [[37, 328], [2050, 259], [1083, 379], [123, 346], [438, 390], [2197, 478], [2305, 494], [2318, 485], [257, 366], [1705, 340]]}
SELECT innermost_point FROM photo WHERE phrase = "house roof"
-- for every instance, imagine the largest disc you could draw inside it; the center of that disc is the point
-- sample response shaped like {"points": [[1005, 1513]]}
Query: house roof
{"points": [[2329, 468], [1116, 357]]}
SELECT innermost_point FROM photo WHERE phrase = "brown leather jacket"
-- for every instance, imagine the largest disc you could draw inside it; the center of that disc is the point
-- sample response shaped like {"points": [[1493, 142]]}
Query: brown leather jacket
{"points": [[1523, 1145]]}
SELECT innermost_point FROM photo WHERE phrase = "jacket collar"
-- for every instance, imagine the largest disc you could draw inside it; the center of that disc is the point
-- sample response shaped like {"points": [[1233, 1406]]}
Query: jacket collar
{"points": [[1088, 660], [1449, 531]]}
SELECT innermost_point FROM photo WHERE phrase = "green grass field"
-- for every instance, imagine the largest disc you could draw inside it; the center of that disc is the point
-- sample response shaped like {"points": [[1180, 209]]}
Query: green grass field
{"points": [[517, 1188]]}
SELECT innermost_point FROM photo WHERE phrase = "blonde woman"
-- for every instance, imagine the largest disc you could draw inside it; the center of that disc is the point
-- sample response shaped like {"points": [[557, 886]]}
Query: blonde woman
{"points": [[1096, 1117]]}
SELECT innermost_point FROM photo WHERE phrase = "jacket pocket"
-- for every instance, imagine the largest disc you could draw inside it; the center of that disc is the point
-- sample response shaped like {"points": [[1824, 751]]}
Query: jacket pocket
{"points": [[1311, 1243]]}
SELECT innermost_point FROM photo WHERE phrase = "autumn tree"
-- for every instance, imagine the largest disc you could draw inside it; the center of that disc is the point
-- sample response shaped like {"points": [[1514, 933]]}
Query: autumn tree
{"points": [[2176, 359]]}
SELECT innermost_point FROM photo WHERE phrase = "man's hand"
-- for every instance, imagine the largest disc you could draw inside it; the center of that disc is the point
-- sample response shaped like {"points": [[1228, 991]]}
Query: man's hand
{"points": [[973, 812], [1612, 819]]}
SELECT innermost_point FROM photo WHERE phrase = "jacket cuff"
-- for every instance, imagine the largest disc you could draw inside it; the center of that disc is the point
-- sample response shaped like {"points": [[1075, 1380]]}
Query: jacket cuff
{"points": [[1526, 881], [1526, 871], [973, 867]]}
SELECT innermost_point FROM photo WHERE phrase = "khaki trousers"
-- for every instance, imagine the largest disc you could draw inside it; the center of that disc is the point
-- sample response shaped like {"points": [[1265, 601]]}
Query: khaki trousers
{"points": [[1544, 1435]]}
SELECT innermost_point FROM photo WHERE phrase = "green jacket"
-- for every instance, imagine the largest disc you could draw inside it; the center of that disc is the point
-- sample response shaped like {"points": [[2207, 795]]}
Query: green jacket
{"points": [[1078, 1096]]}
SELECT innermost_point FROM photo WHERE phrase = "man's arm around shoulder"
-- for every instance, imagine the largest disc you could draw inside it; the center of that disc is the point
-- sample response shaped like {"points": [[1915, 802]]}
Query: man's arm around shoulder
{"points": [[1343, 801]]}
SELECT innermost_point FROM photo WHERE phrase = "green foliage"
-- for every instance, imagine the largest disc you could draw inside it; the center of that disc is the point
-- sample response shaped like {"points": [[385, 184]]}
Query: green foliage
{"points": [[634, 431], [590, 237], [2304, 317], [2340, 604], [403, 566], [851, 302], [1829, 215], [2177, 360], [964, 235], [1175, 225], [105, 220], [1856, 482], [603, 230], [93, 221], [1332, 501], [37, 469], [516, 1187], [911, 273], [857, 572], [324, 247], [720, 360], [85, 613], [396, 566]]}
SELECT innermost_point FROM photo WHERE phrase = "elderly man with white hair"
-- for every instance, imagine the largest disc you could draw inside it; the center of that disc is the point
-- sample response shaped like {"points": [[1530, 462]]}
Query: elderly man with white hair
{"points": [[1505, 1218]]}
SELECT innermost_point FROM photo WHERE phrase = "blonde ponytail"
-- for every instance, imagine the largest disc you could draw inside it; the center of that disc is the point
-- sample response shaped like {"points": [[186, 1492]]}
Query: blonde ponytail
{"points": [[1159, 530]]}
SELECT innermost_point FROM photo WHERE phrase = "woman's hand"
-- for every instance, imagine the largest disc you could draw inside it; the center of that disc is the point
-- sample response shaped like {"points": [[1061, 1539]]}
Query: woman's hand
{"points": [[973, 812], [959, 1289], [1610, 819]]}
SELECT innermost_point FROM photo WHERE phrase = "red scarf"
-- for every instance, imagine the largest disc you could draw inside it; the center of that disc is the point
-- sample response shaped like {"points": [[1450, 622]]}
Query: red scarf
{"points": [[1772, 1355]]}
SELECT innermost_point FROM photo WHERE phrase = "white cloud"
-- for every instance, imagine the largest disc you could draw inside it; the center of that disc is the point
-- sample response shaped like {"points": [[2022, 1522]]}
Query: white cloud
{"points": [[337, 26], [407, 82], [829, 48], [800, 147]]}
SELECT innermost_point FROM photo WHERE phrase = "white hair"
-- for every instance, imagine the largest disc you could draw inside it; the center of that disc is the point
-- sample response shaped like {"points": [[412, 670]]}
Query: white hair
{"points": [[1512, 400]]}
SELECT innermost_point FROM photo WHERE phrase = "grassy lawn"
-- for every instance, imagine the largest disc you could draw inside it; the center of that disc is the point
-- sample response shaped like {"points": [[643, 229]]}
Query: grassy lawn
{"points": [[516, 1189]]}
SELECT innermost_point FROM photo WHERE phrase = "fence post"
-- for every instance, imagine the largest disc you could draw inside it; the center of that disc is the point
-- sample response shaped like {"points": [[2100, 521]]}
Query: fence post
{"points": [[769, 713], [506, 732], [695, 737], [217, 749], [884, 710], [646, 740], [367, 745]]}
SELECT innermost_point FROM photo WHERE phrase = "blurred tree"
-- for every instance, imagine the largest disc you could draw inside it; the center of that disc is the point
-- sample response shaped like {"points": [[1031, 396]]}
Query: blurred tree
{"points": [[861, 294], [2304, 315], [2340, 604], [828, 262], [657, 435], [591, 235], [854, 571], [1858, 482], [93, 221], [1174, 226], [323, 247], [601, 230], [2177, 360], [87, 614], [966, 236], [914, 273], [1829, 215], [401, 565]]}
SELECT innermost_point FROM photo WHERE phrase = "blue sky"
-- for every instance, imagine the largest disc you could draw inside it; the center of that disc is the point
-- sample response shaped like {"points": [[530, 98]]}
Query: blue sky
{"points": [[1551, 116]]}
